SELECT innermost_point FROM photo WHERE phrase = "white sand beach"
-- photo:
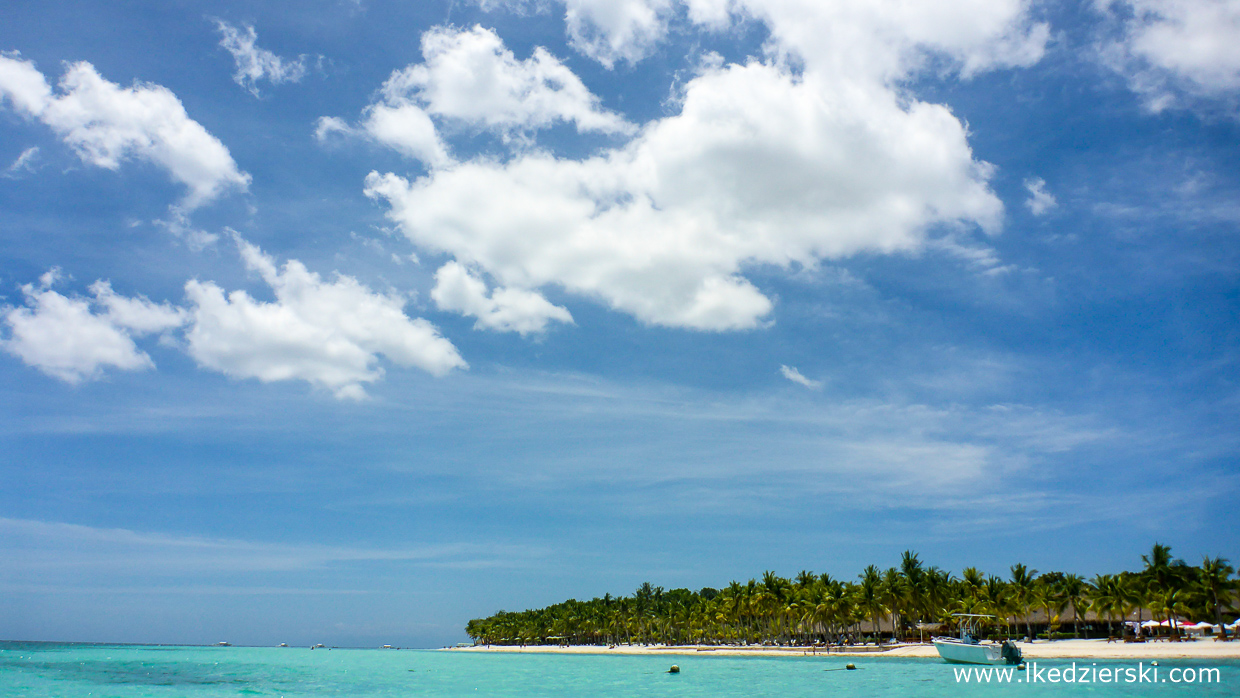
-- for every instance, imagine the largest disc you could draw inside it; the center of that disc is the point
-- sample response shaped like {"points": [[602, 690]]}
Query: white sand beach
{"points": [[1058, 649]]}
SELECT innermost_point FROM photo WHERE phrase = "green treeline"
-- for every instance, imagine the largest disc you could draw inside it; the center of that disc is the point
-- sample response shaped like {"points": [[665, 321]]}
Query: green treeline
{"points": [[901, 601]]}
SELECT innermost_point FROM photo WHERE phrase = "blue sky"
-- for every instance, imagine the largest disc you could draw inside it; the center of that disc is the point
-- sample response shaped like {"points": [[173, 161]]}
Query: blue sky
{"points": [[350, 322]]}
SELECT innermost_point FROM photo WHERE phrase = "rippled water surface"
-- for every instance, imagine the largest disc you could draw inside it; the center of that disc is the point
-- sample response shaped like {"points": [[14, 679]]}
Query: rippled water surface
{"points": [[131, 671]]}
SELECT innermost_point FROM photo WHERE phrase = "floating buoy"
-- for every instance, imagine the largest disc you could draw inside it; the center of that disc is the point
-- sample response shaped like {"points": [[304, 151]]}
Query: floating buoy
{"points": [[1153, 663], [674, 670], [850, 667]]}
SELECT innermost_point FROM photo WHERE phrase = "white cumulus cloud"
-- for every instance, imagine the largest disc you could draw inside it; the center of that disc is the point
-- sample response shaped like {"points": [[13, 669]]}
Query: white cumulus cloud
{"points": [[812, 153], [469, 79], [884, 40], [138, 315], [757, 168], [975, 33], [611, 31], [328, 333], [504, 309], [468, 75], [1167, 47], [254, 63], [107, 124], [406, 128], [64, 337], [1040, 201], [616, 30], [714, 14]]}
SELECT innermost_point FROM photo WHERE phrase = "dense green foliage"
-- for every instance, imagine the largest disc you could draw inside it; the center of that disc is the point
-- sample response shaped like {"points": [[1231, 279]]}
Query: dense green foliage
{"points": [[902, 601]]}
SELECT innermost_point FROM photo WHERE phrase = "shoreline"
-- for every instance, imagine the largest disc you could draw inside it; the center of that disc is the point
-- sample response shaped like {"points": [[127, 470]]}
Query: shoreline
{"points": [[1057, 649]]}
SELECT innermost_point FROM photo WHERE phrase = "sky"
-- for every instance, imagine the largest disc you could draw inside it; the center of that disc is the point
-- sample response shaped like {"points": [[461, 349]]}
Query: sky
{"points": [[353, 320]]}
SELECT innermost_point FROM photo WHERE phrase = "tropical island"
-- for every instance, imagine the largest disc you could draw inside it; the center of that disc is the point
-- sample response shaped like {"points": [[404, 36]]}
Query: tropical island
{"points": [[892, 607]]}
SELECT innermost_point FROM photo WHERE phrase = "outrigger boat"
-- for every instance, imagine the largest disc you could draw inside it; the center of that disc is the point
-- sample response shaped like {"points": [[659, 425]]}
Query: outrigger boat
{"points": [[966, 649]]}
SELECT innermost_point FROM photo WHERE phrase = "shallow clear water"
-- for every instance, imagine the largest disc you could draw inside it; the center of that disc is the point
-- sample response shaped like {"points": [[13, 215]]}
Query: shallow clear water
{"points": [[129, 671]]}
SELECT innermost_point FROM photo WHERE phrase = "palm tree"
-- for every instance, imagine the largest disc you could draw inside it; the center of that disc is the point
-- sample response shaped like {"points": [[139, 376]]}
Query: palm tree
{"points": [[914, 577], [938, 588], [893, 598], [1074, 590], [735, 607], [1214, 578], [805, 579], [1105, 599], [1000, 600], [1170, 603], [774, 591], [870, 595], [1133, 590], [1164, 576], [1022, 589], [973, 581], [1046, 594], [1158, 562], [783, 611]]}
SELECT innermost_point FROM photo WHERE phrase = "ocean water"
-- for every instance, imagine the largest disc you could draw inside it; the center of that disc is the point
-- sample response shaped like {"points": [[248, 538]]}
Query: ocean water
{"points": [[36, 670]]}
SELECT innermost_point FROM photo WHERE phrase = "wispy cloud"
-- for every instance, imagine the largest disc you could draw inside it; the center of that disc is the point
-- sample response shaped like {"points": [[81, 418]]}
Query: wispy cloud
{"points": [[255, 64], [1040, 201], [792, 374], [23, 163], [178, 590], [38, 549]]}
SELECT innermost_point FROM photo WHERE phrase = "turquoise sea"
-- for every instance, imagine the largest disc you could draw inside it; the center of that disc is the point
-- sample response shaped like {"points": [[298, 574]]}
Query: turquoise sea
{"points": [[130, 671]]}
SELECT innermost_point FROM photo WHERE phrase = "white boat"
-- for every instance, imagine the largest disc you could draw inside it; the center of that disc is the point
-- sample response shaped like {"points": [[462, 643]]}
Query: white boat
{"points": [[966, 649]]}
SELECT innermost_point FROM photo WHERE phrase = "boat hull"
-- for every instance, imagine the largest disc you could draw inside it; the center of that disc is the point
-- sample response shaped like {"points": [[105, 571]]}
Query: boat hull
{"points": [[962, 653]]}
